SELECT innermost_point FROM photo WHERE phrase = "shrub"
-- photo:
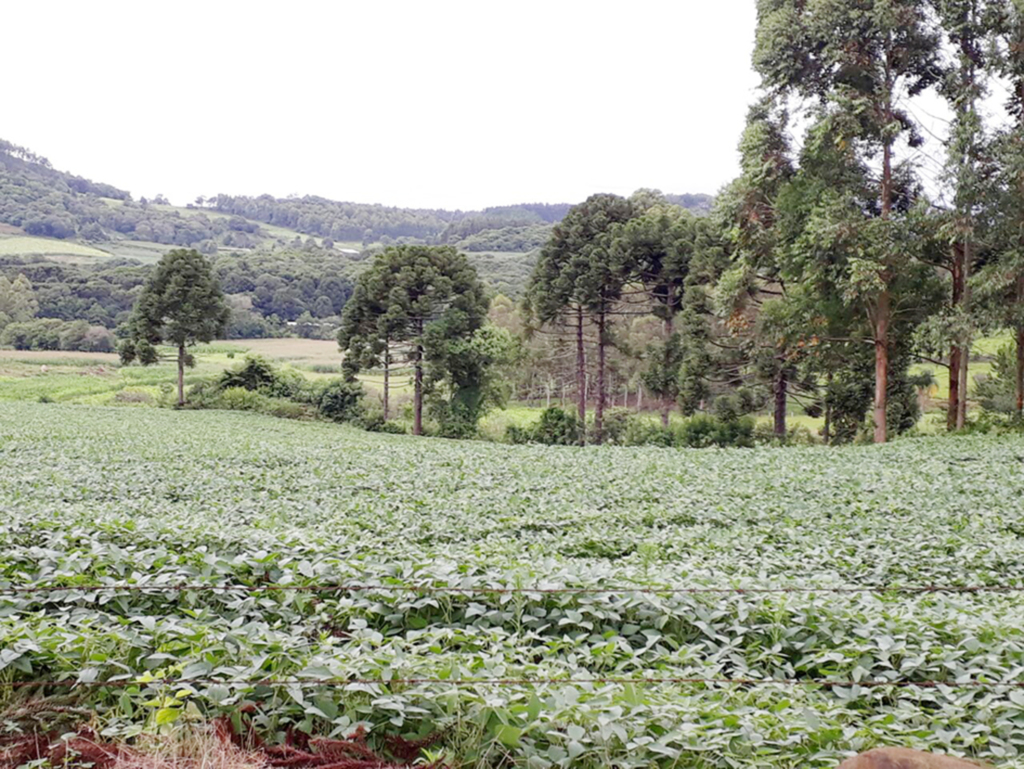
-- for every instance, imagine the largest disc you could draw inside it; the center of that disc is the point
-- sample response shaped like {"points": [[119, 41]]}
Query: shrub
{"points": [[616, 424], [237, 399], [556, 427], [372, 420], [340, 400], [702, 431], [644, 432], [254, 374], [518, 435]]}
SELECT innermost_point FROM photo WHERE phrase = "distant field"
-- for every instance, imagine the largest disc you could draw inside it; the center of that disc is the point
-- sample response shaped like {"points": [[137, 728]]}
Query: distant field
{"points": [[299, 352], [28, 245]]}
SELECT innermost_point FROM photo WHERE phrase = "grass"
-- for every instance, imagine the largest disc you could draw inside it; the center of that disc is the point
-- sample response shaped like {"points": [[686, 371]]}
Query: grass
{"points": [[28, 245], [229, 499]]}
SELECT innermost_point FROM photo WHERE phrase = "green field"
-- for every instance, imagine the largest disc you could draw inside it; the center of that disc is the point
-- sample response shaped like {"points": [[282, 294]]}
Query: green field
{"points": [[28, 245], [156, 497]]}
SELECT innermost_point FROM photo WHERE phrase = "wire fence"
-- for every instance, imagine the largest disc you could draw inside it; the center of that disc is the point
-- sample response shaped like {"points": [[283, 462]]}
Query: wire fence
{"points": [[500, 590], [524, 682]]}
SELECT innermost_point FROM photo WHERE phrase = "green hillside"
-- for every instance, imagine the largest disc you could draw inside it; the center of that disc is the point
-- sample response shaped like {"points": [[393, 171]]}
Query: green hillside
{"points": [[56, 215]]}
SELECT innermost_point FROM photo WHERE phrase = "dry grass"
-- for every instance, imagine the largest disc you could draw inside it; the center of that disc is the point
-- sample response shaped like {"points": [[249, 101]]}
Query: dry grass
{"points": [[57, 357], [300, 352], [188, 748]]}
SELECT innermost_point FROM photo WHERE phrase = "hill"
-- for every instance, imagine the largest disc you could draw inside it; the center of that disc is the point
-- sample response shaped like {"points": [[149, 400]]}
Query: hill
{"points": [[57, 216]]}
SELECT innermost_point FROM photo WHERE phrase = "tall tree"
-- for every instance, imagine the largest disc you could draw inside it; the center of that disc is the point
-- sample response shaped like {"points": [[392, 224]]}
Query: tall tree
{"points": [[859, 59], [654, 250], [373, 330], [754, 292], [182, 305], [422, 297], [1001, 282], [576, 277], [968, 26]]}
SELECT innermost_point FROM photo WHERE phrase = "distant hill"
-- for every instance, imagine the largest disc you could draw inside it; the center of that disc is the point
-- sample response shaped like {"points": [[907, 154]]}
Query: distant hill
{"points": [[52, 214]]}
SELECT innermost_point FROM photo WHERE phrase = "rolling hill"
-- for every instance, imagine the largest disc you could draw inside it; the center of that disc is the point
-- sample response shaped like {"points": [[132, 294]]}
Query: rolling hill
{"points": [[51, 214]]}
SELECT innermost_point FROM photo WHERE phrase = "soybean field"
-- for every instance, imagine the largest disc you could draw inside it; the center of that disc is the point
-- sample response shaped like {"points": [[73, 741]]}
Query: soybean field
{"points": [[522, 606]]}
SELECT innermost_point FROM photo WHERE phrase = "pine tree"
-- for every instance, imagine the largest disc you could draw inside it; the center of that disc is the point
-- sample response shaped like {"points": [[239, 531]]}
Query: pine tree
{"points": [[181, 305]]}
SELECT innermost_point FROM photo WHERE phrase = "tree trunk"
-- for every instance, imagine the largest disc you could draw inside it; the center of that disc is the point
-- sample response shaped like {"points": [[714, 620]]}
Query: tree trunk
{"points": [[961, 410], [955, 350], [965, 355], [181, 375], [954, 387], [1019, 385], [828, 410], [417, 396], [780, 403], [599, 411], [666, 401], [387, 381], [883, 310], [581, 377], [880, 325]]}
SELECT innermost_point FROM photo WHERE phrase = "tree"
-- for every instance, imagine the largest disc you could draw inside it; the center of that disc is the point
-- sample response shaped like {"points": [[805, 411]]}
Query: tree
{"points": [[753, 293], [968, 25], [858, 58], [182, 305], [467, 374], [17, 300], [578, 274], [422, 298], [1001, 282], [654, 250]]}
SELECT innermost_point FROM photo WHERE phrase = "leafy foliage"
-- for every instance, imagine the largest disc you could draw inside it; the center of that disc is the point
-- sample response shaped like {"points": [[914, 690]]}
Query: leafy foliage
{"points": [[263, 500]]}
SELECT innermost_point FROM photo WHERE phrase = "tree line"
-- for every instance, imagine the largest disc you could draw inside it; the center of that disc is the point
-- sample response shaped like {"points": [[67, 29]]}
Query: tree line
{"points": [[842, 254], [278, 294]]}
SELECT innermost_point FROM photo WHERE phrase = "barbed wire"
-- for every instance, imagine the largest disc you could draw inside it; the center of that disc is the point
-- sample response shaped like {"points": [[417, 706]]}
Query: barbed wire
{"points": [[526, 682], [498, 590]]}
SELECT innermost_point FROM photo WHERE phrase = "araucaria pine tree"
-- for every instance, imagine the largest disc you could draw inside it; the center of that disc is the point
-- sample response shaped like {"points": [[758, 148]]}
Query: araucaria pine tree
{"points": [[181, 305]]}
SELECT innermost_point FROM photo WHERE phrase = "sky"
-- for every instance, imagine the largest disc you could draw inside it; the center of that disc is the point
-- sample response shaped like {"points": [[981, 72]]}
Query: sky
{"points": [[438, 104]]}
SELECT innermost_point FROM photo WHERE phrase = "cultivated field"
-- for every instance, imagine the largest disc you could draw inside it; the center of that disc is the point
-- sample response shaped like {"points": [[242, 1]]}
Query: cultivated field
{"points": [[162, 498]]}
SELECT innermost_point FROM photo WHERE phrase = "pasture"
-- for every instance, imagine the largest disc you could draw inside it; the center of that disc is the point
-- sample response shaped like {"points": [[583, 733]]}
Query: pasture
{"points": [[450, 552]]}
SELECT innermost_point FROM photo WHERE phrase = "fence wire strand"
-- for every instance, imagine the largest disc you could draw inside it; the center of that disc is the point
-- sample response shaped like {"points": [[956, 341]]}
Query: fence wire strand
{"points": [[525, 682], [435, 589]]}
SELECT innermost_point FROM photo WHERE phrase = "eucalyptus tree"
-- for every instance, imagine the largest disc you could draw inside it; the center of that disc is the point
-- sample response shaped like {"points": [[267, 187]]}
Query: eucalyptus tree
{"points": [[1000, 283], [968, 26], [859, 59], [422, 297], [181, 304]]}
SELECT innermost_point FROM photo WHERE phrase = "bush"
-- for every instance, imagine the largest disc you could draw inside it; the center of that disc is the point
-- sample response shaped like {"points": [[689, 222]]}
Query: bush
{"points": [[340, 400], [238, 399], [254, 374], [373, 421], [702, 431], [644, 432], [616, 424], [518, 435], [556, 427]]}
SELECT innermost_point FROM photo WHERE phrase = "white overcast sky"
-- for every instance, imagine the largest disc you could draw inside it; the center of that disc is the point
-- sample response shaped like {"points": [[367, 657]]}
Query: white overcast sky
{"points": [[430, 104]]}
